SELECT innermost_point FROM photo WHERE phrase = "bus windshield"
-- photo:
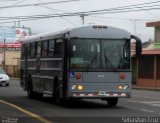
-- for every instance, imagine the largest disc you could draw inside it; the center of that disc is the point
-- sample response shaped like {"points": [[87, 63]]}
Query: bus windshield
{"points": [[99, 54]]}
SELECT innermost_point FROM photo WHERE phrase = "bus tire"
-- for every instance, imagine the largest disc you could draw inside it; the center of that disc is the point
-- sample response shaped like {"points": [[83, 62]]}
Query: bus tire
{"points": [[112, 101], [56, 94], [57, 98], [39, 96], [30, 92]]}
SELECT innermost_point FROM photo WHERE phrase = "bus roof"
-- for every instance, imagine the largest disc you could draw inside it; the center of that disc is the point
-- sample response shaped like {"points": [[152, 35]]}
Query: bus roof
{"points": [[91, 31]]}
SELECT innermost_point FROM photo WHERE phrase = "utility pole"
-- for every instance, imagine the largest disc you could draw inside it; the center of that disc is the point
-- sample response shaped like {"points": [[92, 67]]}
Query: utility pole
{"points": [[18, 24], [134, 28], [82, 16], [14, 23], [4, 54]]}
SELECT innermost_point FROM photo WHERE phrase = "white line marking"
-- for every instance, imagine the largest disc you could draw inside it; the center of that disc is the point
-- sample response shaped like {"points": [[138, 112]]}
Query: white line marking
{"points": [[145, 110]]}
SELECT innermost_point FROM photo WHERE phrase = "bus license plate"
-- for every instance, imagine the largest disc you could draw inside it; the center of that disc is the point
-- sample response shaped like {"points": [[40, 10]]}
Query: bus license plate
{"points": [[102, 93]]}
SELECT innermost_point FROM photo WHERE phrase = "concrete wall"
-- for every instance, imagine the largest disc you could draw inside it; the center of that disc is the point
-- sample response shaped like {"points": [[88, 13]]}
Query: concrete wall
{"points": [[12, 62], [12, 57]]}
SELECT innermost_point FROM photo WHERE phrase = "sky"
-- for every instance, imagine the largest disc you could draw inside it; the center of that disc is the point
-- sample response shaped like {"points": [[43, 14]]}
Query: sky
{"points": [[134, 22]]}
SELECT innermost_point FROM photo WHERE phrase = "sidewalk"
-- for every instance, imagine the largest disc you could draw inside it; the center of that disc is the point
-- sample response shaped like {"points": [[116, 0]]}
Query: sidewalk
{"points": [[11, 78], [145, 88]]}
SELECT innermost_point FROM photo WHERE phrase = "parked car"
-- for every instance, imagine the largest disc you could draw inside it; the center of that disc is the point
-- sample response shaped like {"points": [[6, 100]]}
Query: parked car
{"points": [[4, 78]]}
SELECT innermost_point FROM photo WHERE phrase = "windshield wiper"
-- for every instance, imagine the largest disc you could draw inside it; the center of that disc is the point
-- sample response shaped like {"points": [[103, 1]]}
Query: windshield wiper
{"points": [[107, 62], [124, 63], [95, 56]]}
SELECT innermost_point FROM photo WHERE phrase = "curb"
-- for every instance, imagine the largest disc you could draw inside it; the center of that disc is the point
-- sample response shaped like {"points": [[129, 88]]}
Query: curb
{"points": [[14, 78]]}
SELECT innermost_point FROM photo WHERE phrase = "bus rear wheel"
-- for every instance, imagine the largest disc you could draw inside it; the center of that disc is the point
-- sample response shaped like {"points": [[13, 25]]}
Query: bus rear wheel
{"points": [[57, 98], [31, 93], [112, 101], [56, 93]]}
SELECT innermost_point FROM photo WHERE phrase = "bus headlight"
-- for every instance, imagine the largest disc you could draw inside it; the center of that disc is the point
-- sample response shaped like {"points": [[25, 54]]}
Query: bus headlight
{"points": [[80, 87], [120, 87], [126, 86]]}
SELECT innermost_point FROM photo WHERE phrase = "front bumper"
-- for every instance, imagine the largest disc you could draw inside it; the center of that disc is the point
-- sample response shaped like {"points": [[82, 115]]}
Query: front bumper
{"points": [[4, 81], [106, 95]]}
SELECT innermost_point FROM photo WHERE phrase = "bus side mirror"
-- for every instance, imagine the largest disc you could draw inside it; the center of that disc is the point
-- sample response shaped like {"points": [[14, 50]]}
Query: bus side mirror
{"points": [[66, 37], [138, 45]]}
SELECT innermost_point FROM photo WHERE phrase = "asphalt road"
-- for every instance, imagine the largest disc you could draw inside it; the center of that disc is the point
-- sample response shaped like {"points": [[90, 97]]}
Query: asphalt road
{"points": [[16, 107]]}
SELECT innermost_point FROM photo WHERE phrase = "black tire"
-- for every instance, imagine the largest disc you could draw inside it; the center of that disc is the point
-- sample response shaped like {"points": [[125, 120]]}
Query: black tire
{"points": [[39, 96], [30, 92], [56, 96], [112, 102], [56, 93], [7, 84]]}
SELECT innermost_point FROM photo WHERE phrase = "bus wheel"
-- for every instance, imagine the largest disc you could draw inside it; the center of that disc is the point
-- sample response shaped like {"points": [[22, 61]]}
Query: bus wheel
{"points": [[58, 100], [39, 96], [30, 92], [112, 101]]}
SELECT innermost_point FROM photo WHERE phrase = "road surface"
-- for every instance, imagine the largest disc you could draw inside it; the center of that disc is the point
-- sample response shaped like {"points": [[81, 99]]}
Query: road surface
{"points": [[16, 107]]}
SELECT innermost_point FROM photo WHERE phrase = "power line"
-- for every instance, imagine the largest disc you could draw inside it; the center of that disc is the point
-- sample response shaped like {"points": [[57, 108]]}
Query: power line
{"points": [[123, 11], [110, 10], [103, 11], [64, 1], [121, 19], [27, 18], [37, 18], [125, 7], [134, 22], [56, 13], [18, 2], [119, 9], [8, 0], [145, 11], [37, 4]]}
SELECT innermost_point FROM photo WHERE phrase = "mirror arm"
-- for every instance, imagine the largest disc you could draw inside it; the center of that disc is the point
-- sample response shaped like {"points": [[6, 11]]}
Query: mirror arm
{"points": [[138, 45]]}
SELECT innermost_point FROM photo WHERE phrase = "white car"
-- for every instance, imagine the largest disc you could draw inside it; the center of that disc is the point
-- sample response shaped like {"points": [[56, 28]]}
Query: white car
{"points": [[4, 78]]}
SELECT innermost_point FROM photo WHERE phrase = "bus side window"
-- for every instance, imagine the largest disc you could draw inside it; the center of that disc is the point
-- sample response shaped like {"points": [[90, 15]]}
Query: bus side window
{"points": [[33, 49], [38, 48], [51, 48], [44, 48], [58, 48]]}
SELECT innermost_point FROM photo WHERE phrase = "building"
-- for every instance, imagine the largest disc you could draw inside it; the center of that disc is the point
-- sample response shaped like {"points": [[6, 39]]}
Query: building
{"points": [[156, 26], [12, 62], [148, 65], [148, 71], [10, 48]]}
